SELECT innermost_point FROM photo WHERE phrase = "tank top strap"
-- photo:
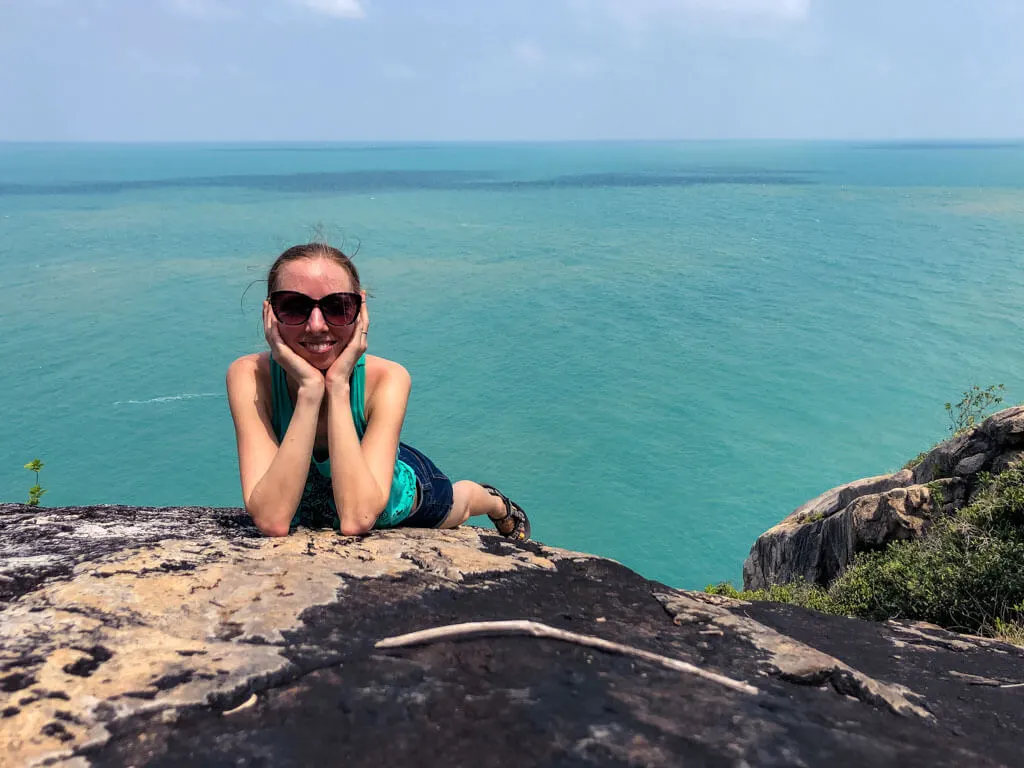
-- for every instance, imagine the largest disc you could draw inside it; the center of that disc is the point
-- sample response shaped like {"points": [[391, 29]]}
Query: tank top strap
{"points": [[357, 396], [280, 402]]}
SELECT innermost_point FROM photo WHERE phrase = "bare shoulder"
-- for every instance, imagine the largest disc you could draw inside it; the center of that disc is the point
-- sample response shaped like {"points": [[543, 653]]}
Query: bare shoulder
{"points": [[387, 385], [253, 368], [248, 384], [380, 371], [387, 389]]}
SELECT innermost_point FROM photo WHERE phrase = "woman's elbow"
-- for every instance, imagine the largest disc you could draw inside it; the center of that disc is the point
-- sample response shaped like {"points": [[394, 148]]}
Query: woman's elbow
{"points": [[359, 518], [274, 529], [270, 527], [360, 521], [356, 527]]}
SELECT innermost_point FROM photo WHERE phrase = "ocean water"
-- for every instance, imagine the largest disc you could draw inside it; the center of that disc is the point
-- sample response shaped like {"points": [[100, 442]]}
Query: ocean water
{"points": [[658, 349]]}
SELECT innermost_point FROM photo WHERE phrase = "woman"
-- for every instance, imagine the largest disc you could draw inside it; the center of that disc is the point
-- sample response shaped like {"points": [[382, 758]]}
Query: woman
{"points": [[318, 421]]}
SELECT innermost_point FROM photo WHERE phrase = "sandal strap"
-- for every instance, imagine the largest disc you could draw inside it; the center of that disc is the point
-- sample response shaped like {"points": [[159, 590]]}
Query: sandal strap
{"points": [[505, 499], [519, 530]]}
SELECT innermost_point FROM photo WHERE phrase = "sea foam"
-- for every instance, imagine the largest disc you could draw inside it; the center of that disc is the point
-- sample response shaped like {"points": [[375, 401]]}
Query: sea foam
{"points": [[170, 398]]}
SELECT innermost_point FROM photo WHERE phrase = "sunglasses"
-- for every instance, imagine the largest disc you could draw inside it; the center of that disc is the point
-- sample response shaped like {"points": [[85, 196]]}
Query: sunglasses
{"points": [[294, 308]]}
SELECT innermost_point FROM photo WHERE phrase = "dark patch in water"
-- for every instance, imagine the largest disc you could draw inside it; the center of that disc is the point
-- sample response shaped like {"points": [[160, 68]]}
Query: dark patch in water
{"points": [[349, 181], [942, 145], [603, 180], [365, 182], [330, 150]]}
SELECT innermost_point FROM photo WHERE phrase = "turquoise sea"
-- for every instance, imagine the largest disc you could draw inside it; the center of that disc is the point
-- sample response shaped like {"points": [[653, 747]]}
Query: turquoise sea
{"points": [[658, 349]]}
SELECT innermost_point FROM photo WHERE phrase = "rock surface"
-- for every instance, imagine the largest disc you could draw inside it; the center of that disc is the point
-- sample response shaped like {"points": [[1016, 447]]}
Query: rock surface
{"points": [[178, 636], [818, 540]]}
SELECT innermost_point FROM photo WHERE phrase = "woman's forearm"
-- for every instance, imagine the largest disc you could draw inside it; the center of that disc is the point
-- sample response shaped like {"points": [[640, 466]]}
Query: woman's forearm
{"points": [[357, 495], [276, 496]]}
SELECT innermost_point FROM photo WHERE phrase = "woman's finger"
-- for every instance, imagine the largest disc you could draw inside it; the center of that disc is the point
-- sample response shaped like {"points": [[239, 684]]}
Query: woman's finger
{"points": [[364, 329], [268, 320], [275, 340], [273, 332]]}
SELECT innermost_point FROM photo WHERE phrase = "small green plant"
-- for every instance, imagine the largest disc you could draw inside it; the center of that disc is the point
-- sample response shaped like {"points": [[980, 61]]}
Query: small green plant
{"points": [[35, 493], [725, 589], [973, 406], [796, 593], [916, 461], [1009, 631], [938, 492]]}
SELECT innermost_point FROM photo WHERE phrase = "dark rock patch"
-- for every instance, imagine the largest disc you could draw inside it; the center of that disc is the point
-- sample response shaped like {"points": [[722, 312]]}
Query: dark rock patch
{"points": [[85, 666], [16, 681], [57, 730], [294, 678]]}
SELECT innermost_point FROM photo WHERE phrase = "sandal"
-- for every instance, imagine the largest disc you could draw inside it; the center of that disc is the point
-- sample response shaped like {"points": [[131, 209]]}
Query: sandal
{"points": [[521, 530]]}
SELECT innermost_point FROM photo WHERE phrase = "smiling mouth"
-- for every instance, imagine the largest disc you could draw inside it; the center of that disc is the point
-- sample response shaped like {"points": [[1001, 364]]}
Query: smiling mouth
{"points": [[318, 347]]}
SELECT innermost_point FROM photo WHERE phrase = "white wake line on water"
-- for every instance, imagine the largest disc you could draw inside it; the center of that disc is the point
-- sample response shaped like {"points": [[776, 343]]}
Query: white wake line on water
{"points": [[170, 398]]}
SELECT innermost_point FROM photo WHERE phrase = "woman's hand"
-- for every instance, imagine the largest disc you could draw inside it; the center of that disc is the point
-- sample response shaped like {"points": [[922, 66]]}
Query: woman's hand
{"points": [[305, 374], [340, 372]]}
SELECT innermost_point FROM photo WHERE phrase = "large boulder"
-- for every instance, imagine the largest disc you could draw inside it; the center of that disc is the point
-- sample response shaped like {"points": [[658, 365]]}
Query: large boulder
{"points": [[180, 636], [818, 540]]}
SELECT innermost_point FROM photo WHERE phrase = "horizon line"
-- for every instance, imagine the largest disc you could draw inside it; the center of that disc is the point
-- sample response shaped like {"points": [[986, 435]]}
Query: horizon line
{"points": [[421, 142]]}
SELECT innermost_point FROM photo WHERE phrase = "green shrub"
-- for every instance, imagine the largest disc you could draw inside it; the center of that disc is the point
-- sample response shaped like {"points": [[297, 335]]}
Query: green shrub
{"points": [[796, 593], [973, 406], [966, 573], [914, 462], [726, 589], [1010, 631]]}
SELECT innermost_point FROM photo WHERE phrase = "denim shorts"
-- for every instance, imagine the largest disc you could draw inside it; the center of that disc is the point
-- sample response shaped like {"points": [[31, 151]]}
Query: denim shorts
{"points": [[433, 487]]}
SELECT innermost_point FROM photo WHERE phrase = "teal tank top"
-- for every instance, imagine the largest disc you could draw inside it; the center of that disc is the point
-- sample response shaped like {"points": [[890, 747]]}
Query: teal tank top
{"points": [[317, 505]]}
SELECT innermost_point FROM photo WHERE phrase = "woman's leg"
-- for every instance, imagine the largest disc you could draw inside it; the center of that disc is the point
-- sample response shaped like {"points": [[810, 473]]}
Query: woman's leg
{"points": [[470, 499]]}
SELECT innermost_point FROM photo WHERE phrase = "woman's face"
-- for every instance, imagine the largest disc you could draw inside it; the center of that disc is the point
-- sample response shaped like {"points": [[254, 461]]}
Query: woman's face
{"points": [[316, 342]]}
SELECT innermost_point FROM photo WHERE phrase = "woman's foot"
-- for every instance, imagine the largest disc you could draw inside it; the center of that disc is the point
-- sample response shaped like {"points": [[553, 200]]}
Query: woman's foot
{"points": [[513, 524]]}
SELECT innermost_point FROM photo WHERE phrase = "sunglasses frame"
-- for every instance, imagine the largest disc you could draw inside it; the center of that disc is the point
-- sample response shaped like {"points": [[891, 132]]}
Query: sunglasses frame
{"points": [[316, 304]]}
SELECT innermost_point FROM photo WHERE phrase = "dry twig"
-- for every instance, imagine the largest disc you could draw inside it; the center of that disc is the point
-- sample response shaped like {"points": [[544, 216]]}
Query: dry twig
{"points": [[536, 629]]}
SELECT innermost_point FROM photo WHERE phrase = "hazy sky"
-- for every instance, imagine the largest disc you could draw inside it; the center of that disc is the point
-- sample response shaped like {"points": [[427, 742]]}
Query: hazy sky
{"points": [[532, 69]]}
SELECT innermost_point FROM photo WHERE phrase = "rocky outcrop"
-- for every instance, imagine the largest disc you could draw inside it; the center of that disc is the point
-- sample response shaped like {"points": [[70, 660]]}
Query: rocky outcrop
{"points": [[180, 636], [818, 541]]}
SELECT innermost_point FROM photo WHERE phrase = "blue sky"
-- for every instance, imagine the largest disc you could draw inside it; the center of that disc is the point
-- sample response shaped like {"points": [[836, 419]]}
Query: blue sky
{"points": [[384, 70]]}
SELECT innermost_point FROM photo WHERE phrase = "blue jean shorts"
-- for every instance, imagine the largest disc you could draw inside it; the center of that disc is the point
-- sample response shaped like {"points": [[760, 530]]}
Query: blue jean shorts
{"points": [[433, 490]]}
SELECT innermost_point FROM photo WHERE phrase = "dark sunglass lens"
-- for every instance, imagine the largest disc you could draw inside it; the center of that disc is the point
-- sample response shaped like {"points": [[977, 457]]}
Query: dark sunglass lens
{"points": [[340, 308], [292, 308]]}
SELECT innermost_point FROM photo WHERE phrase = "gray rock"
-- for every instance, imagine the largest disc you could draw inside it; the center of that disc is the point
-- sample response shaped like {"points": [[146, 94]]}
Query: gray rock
{"points": [[1005, 460], [819, 539], [971, 465], [818, 549], [166, 637]]}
